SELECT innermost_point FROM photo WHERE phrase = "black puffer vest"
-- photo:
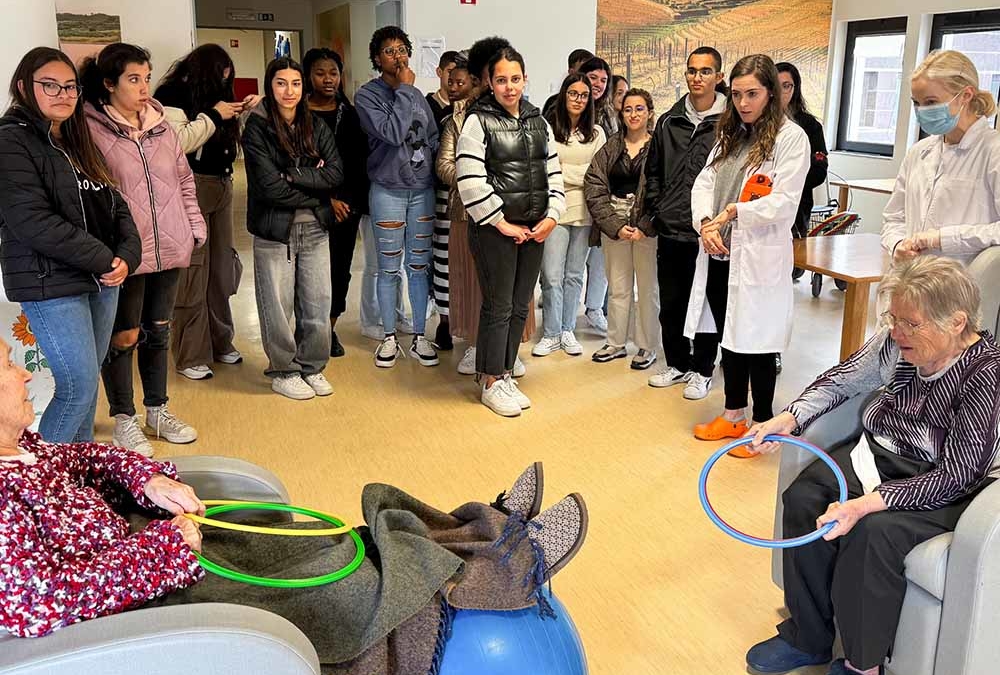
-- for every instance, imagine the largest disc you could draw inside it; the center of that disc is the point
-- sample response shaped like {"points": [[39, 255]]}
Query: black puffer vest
{"points": [[516, 157]]}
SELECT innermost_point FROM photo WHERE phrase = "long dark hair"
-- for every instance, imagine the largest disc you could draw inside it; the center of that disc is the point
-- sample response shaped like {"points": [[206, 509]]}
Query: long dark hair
{"points": [[200, 77], [597, 63], [108, 66], [731, 133], [75, 134], [558, 116], [296, 139], [797, 106], [315, 55]]}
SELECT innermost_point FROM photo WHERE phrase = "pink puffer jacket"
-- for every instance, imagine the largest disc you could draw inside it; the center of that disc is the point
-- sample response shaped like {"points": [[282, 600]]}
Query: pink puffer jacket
{"points": [[156, 180]]}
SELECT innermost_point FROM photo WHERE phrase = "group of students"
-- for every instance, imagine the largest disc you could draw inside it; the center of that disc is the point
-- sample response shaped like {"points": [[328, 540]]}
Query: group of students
{"points": [[117, 219]]}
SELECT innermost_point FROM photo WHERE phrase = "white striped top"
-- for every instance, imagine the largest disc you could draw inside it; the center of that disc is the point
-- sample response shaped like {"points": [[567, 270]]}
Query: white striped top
{"points": [[483, 204], [952, 420]]}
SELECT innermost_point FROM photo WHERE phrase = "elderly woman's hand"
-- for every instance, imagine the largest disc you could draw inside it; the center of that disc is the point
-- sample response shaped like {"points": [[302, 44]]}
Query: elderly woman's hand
{"points": [[849, 513], [782, 423], [189, 530], [177, 498]]}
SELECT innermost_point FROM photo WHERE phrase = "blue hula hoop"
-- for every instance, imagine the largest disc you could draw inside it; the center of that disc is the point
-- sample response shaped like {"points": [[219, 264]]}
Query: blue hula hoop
{"points": [[758, 541]]}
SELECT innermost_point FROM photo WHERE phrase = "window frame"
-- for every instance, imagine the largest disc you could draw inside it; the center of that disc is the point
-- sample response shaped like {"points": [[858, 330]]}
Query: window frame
{"points": [[855, 29], [976, 21]]}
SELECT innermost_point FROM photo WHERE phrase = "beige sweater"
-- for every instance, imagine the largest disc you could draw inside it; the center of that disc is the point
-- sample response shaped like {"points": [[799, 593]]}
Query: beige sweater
{"points": [[574, 158]]}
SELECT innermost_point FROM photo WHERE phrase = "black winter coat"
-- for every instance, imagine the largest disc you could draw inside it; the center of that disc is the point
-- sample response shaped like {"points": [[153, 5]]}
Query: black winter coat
{"points": [[278, 185], [818, 165], [46, 248], [517, 152], [677, 154], [352, 145]]}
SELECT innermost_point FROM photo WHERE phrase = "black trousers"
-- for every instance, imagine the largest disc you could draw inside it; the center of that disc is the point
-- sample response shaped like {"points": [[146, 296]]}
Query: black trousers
{"points": [[742, 371], [145, 302], [343, 237], [675, 261], [507, 274], [858, 578]]}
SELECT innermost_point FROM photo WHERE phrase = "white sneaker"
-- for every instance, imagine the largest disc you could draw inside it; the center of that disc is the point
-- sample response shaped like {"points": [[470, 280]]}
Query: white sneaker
{"points": [[597, 320], [546, 346], [569, 343], [292, 386], [128, 434], [499, 400], [373, 332], [516, 393], [697, 387], [467, 366], [319, 384], [231, 358], [196, 372], [424, 351], [668, 377], [519, 368], [385, 353], [165, 425]]}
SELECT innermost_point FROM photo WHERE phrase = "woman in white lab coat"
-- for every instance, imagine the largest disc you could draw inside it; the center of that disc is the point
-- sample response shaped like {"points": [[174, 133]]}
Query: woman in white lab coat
{"points": [[748, 295], [947, 194]]}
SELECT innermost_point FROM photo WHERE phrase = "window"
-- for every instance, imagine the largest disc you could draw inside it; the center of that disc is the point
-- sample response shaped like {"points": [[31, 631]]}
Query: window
{"points": [[873, 73], [977, 35]]}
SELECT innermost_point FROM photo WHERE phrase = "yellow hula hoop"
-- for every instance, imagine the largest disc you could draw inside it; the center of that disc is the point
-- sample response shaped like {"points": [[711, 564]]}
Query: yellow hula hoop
{"points": [[257, 529]]}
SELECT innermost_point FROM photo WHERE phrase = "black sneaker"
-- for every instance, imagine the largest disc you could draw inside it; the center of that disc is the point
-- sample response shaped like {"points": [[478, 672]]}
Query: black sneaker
{"points": [[336, 349], [442, 337]]}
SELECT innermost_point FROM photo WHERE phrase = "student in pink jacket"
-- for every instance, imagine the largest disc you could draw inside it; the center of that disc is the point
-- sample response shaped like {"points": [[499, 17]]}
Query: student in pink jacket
{"points": [[147, 160]]}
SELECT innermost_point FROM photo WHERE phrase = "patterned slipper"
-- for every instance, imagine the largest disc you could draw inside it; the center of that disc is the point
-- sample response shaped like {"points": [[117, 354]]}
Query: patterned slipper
{"points": [[559, 531], [525, 496]]}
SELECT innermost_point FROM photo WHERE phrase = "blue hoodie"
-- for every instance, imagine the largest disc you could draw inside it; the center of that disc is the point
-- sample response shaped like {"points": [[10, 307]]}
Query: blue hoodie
{"points": [[402, 135]]}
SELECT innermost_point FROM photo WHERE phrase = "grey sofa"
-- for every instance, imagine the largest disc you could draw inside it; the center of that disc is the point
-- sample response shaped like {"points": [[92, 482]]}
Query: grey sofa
{"points": [[952, 598], [199, 639]]}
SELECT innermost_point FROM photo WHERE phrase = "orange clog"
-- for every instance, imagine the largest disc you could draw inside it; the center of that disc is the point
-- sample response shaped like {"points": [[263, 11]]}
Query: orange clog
{"points": [[742, 452], [720, 428]]}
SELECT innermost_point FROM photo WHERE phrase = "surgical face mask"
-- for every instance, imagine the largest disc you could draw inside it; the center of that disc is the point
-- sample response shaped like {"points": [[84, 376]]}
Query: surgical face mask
{"points": [[937, 119]]}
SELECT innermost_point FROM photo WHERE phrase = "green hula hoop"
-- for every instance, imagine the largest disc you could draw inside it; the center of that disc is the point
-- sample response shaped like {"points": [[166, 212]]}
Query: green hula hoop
{"points": [[308, 582]]}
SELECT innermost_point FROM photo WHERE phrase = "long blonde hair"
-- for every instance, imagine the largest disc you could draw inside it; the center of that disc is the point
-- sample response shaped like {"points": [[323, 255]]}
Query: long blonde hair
{"points": [[956, 71]]}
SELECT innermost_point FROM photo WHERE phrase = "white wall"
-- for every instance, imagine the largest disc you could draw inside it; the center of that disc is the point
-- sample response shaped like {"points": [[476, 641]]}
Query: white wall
{"points": [[288, 15], [35, 27], [362, 27], [165, 27], [919, 15], [248, 58]]}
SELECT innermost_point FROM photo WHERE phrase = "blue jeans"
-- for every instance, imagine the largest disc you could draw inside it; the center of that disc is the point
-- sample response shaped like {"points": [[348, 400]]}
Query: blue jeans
{"points": [[563, 262], [73, 333], [403, 221], [597, 280], [370, 315]]}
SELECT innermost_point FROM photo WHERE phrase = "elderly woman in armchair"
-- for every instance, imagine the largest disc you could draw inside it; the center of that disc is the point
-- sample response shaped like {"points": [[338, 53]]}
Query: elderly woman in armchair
{"points": [[67, 555], [929, 446]]}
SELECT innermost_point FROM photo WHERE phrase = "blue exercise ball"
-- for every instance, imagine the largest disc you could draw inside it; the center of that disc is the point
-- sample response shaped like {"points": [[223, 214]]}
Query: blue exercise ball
{"points": [[514, 643]]}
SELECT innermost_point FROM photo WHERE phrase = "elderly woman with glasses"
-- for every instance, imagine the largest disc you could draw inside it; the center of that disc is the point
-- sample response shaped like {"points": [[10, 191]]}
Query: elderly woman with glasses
{"points": [[929, 446]]}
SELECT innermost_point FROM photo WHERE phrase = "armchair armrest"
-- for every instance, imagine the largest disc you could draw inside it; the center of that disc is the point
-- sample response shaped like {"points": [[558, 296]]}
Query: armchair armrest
{"points": [[971, 607], [197, 639], [985, 269], [215, 477]]}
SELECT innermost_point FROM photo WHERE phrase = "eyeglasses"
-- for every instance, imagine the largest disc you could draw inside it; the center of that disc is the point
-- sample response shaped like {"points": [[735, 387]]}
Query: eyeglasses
{"points": [[578, 95], [907, 328], [638, 110], [704, 72], [396, 51], [54, 89]]}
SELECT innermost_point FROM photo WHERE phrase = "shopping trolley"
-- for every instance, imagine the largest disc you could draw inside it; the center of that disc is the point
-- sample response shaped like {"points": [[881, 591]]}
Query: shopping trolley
{"points": [[823, 222]]}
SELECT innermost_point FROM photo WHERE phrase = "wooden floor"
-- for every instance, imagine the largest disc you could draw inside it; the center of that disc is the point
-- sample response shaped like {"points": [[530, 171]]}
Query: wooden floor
{"points": [[656, 589]]}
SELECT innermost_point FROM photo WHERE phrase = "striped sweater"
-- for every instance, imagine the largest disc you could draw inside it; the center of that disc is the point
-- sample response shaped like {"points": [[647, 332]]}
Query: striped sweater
{"points": [[484, 205], [952, 420]]}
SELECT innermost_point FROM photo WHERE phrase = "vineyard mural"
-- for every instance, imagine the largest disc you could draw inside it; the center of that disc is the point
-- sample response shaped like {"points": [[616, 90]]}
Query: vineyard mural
{"points": [[648, 40]]}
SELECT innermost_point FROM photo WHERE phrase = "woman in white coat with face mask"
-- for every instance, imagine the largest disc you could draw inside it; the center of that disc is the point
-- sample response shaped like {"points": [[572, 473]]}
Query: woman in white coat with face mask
{"points": [[947, 195], [743, 274]]}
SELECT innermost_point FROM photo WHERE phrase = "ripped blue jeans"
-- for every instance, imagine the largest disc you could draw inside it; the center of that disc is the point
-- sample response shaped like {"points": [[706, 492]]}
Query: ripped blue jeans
{"points": [[403, 223]]}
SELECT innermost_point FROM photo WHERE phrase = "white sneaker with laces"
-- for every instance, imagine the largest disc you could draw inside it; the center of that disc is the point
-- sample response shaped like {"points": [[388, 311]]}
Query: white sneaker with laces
{"points": [[668, 377], [597, 320], [499, 400], [196, 372], [386, 352], [424, 351], [519, 368], [319, 384], [546, 346], [569, 343], [292, 386], [231, 358], [467, 366], [697, 387], [165, 425], [515, 392], [128, 434]]}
